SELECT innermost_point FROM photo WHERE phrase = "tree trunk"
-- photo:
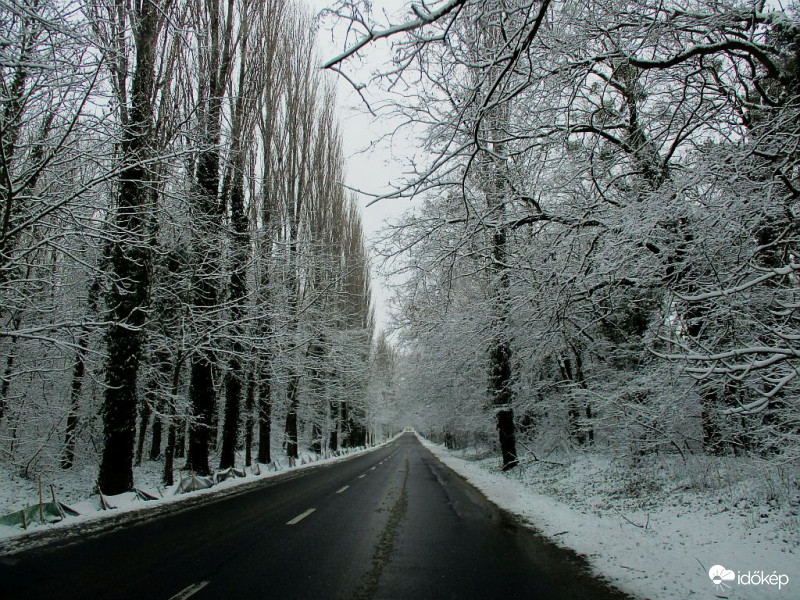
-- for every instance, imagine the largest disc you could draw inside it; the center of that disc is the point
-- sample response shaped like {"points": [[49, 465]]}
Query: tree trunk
{"points": [[158, 425], [230, 428], [335, 421], [240, 248], [154, 402], [78, 370], [586, 431], [500, 379], [206, 255], [291, 416], [180, 441], [5, 385], [578, 431], [144, 421], [172, 433], [248, 423], [129, 261], [201, 396], [497, 190], [265, 366], [169, 454], [265, 418], [316, 438]]}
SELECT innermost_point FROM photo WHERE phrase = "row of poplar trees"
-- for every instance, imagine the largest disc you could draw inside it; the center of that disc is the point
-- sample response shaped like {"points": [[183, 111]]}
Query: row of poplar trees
{"points": [[181, 270]]}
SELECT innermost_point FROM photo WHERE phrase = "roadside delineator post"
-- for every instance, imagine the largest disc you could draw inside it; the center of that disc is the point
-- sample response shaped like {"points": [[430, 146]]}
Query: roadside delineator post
{"points": [[41, 501]]}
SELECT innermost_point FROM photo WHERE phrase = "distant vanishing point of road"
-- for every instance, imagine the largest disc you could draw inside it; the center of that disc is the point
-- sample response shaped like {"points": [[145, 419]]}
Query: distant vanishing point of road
{"points": [[394, 523]]}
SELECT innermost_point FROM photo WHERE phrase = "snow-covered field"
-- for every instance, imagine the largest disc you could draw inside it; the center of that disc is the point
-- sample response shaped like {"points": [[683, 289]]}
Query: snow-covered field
{"points": [[75, 489], [656, 531]]}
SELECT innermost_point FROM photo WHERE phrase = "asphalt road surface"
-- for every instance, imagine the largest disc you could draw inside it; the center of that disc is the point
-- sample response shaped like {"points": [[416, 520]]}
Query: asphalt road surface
{"points": [[392, 523]]}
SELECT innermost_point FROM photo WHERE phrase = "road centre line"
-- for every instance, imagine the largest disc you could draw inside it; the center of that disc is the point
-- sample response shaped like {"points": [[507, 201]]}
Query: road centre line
{"points": [[190, 591], [362, 476], [300, 517], [339, 491]]}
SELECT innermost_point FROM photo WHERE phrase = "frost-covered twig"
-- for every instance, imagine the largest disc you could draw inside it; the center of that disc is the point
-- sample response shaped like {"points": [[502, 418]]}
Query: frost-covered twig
{"points": [[645, 526]]}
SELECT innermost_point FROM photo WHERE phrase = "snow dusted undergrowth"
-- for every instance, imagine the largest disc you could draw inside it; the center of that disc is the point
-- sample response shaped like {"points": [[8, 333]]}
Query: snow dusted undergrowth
{"points": [[655, 531], [73, 489]]}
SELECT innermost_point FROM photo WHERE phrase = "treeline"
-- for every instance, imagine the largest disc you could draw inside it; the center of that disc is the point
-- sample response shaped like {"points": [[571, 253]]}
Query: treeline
{"points": [[608, 249], [182, 273]]}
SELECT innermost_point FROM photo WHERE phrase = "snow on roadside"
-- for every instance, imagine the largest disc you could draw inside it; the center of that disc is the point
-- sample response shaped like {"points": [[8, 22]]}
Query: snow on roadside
{"points": [[16, 492], [663, 552]]}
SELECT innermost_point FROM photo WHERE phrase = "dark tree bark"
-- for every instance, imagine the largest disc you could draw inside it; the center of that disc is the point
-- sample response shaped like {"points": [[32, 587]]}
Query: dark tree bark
{"points": [[265, 353], [144, 421], [209, 217], [356, 434], [316, 438], [265, 417], [129, 261], [500, 381], [201, 396], [344, 421], [336, 421], [8, 370], [500, 364], [153, 405], [230, 431], [78, 370], [264, 379], [240, 244], [291, 416], [157, 432], [586, 429], [317, 353], [293, 375], [169, 454], [579, 431], [180, 442], [249, 405], [172, 432], [497, 194]]}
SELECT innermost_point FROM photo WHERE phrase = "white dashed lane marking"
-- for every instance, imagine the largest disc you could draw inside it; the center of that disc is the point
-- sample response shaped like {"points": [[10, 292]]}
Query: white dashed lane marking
{"points": [[300, 517], [339, 491], [190, 591], [362, 476]]}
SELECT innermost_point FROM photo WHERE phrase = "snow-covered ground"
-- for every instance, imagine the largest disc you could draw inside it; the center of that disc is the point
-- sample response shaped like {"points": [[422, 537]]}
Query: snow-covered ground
{"points": [[655, 531], [75, 489]]}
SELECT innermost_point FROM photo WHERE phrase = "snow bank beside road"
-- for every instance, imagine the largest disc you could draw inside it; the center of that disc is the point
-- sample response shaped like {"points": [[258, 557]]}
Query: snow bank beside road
{"points": [[128, 508], [663, 552]]}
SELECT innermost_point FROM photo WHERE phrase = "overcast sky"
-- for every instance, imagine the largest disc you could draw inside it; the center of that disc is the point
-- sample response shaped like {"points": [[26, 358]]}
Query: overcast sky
{"points": [[371, 170]]}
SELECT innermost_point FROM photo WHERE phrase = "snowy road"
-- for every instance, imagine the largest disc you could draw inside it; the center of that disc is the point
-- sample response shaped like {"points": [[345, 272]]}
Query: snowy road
{"points": [[393, 523]]}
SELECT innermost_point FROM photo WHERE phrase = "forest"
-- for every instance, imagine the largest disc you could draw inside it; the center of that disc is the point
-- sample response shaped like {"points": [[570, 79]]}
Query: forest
{"points": [[586, 382], [183, 276], [604, 250], [601, 253]]}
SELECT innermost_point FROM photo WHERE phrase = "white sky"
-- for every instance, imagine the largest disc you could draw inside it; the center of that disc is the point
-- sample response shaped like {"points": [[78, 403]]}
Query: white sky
{"points": [[374, 169]]}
